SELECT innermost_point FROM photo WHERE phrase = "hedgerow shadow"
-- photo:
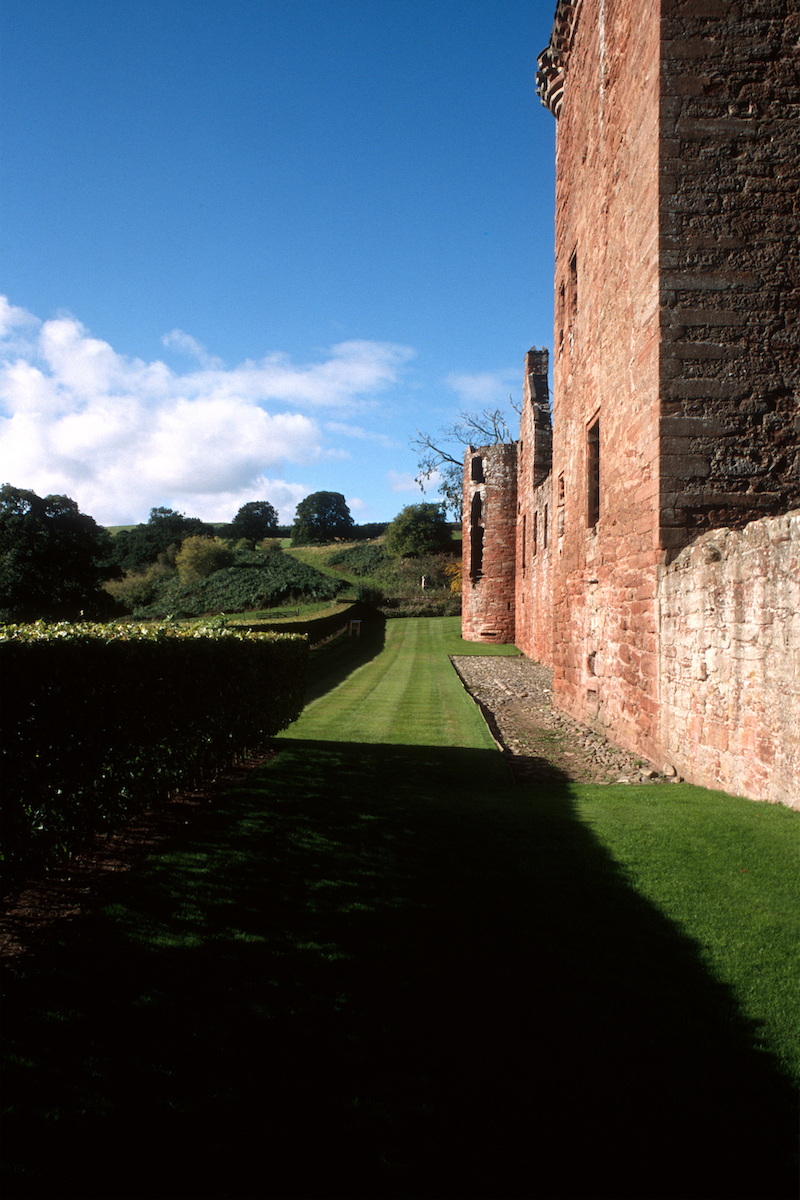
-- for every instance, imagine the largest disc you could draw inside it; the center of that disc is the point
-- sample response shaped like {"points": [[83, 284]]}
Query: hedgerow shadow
{"points": [[382, 971], [330, 664]]}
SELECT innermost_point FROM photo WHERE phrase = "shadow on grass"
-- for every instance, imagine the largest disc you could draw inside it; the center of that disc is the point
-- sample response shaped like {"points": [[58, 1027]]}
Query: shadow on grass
{"points": [[380, 971], [330, 664]]}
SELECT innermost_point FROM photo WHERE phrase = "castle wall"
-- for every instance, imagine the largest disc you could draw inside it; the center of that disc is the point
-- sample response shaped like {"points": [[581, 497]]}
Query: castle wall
{"points": [[536, 550], [489, 525], [729, 617], [656, 566], [730, 253], [539, 519], [606, 373]]}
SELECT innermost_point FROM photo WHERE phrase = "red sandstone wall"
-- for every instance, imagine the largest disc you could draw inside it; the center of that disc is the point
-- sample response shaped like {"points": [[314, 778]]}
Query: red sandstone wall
{"points": [[606, 348], [677, 297], [730, 287], [534, 598], [540, 524], [488, 590], [730, 660]]}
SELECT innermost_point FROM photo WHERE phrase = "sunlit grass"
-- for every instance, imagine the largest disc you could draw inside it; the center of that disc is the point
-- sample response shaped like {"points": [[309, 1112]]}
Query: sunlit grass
{"points": [[725, 870], [408, 694]]}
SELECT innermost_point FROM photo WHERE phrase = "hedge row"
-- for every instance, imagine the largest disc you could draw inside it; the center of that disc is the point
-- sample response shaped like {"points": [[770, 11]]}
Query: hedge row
{"points": [[101, 720], [317, 629]]}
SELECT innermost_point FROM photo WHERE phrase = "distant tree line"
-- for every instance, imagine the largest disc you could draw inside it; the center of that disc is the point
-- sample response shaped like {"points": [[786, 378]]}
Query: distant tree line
{"points": [[58, 563]]}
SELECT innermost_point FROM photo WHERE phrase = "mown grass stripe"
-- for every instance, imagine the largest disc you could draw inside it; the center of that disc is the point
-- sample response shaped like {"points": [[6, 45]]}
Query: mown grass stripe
{"points": [[409, 694]]}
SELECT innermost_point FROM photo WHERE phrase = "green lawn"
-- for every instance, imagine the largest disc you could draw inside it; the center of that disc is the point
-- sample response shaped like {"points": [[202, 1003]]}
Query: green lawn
{"points": [[378, 969], [408, 694]]}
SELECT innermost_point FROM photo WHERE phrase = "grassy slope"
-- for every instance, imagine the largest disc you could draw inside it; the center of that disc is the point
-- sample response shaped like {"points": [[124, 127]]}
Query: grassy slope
{"points": [[317, 556], [375, 968]]}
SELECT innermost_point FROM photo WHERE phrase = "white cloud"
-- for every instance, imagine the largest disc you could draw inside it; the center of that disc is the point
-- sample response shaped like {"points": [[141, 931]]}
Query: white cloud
{"points": [[13, 318], [484, 388], [121, 435], [400, 481], [189, 345], [356, 431], [222, 506]]}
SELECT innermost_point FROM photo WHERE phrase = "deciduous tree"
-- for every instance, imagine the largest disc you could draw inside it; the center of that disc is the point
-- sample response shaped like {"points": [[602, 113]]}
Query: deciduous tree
{"points": [[418, 529], [135, 549], [53, 558], [255, 521], [200, 557], [321, 517]]}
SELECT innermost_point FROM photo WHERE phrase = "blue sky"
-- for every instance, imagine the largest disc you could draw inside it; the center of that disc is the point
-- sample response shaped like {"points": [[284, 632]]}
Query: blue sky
{"points": [[248, 247]]}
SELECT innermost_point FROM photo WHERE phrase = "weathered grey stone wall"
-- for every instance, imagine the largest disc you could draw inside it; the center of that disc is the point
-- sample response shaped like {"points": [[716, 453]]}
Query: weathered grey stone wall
{"points": [[729, 670]]}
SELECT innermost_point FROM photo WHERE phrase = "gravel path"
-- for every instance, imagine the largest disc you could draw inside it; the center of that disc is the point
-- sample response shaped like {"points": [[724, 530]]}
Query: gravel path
{"points": [[540, 742]]}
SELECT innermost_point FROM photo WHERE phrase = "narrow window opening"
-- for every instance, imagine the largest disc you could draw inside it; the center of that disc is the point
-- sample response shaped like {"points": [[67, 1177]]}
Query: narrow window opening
{"points": [[524, 537], [560, 517], [544, 528], [477, 469], [476, 537], [593, 474], [573, 288], [535, 539]]}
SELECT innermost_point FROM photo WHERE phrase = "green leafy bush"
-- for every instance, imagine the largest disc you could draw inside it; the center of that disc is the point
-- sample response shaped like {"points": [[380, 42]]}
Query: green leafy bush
{"points": [[200, 557], [364, 559], [139, 588], [255, 581], [367, 593], [441, 605]]}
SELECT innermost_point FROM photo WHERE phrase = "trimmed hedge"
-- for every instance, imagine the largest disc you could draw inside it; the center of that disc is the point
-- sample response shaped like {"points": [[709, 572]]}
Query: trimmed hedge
{"points": [[316, 629], [101, 720]]}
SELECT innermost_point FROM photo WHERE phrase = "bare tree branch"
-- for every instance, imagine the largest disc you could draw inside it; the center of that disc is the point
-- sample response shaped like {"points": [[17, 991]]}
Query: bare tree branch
{"points": [[438, 464]]}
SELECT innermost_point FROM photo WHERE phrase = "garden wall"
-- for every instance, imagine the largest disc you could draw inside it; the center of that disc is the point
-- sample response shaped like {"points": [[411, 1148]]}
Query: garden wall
{"points": [[729, 614]]}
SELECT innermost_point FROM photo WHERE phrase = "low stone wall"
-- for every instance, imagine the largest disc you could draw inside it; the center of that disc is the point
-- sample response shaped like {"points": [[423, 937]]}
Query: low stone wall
{"points": [[729, 665]]}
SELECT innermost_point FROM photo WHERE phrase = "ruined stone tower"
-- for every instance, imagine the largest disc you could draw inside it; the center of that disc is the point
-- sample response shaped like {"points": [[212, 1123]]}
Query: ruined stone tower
{"points": [[489, 525]]}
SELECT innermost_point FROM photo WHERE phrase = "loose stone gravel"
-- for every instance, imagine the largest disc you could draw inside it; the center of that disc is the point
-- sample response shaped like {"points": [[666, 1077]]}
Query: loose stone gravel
{"points": [[539, 742]]}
